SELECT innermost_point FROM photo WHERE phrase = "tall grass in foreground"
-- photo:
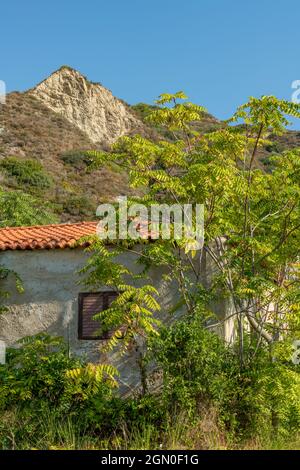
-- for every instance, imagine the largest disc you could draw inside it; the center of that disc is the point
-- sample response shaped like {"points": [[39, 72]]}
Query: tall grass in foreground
{"points": [[49, 432]]}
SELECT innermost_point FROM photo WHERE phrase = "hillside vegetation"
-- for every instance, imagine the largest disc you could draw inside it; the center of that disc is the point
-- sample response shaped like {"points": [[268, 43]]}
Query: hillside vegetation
{"points": [[32, 132], [45, 125]]}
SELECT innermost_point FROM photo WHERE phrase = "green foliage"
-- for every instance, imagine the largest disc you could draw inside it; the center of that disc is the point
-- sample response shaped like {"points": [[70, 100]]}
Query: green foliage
{"points": [[28, 173], [196, 364], [241, 202], [77, 159], [131, 315], [274, 147], [199, 372], [18, 208], [178, 118], [4, 293], [252, 230], [49, 400], [41, 371], [87, 381], [267, 112], [78, 205], [36, 370], [143, 109], [206, 123]]}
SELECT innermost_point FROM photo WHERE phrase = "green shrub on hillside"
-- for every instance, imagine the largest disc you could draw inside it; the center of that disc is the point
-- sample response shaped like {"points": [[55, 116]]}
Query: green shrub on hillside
{"points": [[79, 206], [29, 172], [143, 110], [76, 158]]}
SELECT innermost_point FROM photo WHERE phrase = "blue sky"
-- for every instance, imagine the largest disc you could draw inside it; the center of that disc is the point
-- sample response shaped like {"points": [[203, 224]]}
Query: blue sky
{"points": [[219, 52]]}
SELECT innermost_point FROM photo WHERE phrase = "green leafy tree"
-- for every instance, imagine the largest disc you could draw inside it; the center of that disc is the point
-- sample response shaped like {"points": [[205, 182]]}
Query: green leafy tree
{"points": [[251, 218], [18, 208], [130, 316]]}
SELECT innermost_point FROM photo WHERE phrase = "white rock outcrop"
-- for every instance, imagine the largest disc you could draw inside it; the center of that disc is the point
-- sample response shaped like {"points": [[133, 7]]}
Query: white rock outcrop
{"points": [[89, 106]]}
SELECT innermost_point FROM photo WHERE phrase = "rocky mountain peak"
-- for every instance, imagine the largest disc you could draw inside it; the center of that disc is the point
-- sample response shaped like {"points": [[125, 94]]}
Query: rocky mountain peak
{"points": [[89, 106]]}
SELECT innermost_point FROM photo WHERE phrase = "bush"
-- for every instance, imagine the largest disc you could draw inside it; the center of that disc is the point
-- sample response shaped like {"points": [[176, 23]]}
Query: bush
{"points": [[197, 366], [26, 172], [79, 206], [76, 159], [35, 371], [200, 372], [42, 374], [143, 110], [207, 400]]}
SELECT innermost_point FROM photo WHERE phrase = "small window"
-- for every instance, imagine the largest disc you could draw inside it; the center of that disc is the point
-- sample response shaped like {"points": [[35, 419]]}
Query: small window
{"points": [[89, 304]]}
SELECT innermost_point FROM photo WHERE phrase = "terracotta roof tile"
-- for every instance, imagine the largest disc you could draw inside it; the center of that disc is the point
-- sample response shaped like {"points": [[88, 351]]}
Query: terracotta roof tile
{"points": [[47, 237], [41, 237]]}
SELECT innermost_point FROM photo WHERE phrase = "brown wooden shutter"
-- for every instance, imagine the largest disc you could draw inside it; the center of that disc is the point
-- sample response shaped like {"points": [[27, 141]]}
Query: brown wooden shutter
{"points": [[89, 304]]}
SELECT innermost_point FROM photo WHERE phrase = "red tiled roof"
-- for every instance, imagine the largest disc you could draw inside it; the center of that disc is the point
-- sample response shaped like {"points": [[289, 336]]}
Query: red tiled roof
{"points": [[46, 237], [42, 237]]}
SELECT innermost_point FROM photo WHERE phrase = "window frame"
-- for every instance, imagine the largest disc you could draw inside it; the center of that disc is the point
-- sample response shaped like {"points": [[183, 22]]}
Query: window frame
{"points": [[81, 297]]}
